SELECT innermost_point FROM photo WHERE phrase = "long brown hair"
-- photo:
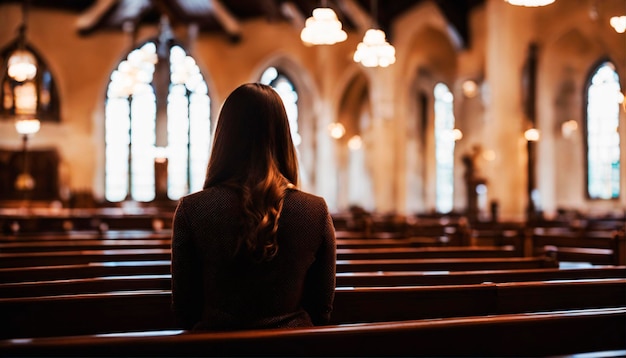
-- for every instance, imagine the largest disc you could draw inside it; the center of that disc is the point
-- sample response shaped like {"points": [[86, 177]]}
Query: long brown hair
{"points": [[253, 153]]}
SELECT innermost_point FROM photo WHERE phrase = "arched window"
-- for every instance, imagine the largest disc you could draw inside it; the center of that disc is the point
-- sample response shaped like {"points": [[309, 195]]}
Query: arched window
{"points": [[603, 141], [287, 91], [444, 148], [34, 97], [142, 133]]}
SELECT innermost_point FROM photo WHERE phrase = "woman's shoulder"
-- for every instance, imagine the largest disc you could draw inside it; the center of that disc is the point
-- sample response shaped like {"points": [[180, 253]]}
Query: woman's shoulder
{"points": [[210, 195], [303, 198]]}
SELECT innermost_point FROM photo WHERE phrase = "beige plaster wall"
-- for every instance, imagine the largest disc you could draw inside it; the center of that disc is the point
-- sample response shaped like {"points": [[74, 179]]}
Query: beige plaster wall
{"points": [[400, 158]]}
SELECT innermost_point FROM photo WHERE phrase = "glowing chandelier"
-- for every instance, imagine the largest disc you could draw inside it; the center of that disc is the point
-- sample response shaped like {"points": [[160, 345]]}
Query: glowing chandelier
{"points": [[619, 24], [530, 3], [22, 64], [374, 50], [323, 28]]}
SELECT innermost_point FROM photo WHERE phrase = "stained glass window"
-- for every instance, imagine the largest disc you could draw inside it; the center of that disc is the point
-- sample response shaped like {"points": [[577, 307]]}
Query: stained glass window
{"points": [[444, 148], [285, 88], [131, 125], [603, 140]]}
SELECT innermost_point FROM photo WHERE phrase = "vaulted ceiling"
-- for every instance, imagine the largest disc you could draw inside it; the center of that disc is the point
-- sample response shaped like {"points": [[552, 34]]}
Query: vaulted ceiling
{"points": [[224, 16]]}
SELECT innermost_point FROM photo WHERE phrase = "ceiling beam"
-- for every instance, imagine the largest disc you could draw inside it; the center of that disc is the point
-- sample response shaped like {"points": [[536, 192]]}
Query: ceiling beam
{"points": [[293, 14], [228, 21], [93, 16], [359, 16]]}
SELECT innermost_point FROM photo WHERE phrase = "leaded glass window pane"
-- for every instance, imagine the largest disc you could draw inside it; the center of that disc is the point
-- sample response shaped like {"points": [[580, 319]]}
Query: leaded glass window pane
{"points": [[603, 140], [444, 148]]}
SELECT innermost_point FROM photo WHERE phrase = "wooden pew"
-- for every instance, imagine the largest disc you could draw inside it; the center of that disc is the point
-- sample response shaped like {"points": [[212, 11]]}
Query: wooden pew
{"points": [[498, 233], [446, 264], [143, 310], [130, 264], [596, 247], [557, 333], [346, 279], [426, 252], [404, 278], [94, 269], [88, 235], [347, 258], [370, 244], [538, 334], [86, 285], [56, 242], [83, 245], [33, 220], [21, 259], [401, 249], [376, 304]]}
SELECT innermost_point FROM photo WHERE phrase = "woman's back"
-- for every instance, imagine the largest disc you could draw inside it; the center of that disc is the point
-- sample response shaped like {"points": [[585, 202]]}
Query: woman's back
{"points": [[217, 286]]}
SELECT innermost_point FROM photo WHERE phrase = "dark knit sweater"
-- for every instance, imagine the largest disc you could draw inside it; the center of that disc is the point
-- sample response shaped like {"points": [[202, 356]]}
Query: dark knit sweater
{"points": [[214, 289]]}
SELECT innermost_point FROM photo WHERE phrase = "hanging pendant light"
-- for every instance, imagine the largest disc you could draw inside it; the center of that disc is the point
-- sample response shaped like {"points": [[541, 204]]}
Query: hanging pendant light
{"points": [[618, 23], [323, 28], [374, 50], [530, 3], [22, 64]]}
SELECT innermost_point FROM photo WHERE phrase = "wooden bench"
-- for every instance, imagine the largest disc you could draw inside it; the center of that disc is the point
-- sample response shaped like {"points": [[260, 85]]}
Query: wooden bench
{"points": [[86, 285], [404, 278], [376, 304], [392, 257], [389, 248], [370, 244], [21, 259], [59, 220], [498, 234], [537, 334], [346, 279], [446, 264], [597, 247], [143, 310], [426, 252], [83, 245], [87, 235], [144, 265], [95, 269]]}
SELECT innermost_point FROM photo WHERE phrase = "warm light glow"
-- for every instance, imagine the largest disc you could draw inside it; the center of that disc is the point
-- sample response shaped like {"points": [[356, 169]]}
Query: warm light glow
{"points": [[457, 134], [24, 181], [530, 3], [337, 130], [355, 143], [568, 128], [323, 28], [25, 96], [27, 126], [22, 66], [532, 135], [489, 155], [374, 50], [619, 24], [470, 88]]}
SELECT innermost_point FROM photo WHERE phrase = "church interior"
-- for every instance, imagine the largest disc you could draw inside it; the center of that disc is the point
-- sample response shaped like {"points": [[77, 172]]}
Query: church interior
{"points": [[469, 152]]}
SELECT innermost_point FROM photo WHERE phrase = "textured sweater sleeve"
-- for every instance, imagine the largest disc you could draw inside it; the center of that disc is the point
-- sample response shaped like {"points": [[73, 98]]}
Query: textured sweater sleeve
{"points": [[320, 283], [186, 272]]}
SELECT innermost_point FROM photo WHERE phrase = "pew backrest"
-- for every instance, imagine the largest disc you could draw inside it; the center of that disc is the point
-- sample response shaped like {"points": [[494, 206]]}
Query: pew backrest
{"points": [[345, 279], [538, 334], [150, 309]]}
